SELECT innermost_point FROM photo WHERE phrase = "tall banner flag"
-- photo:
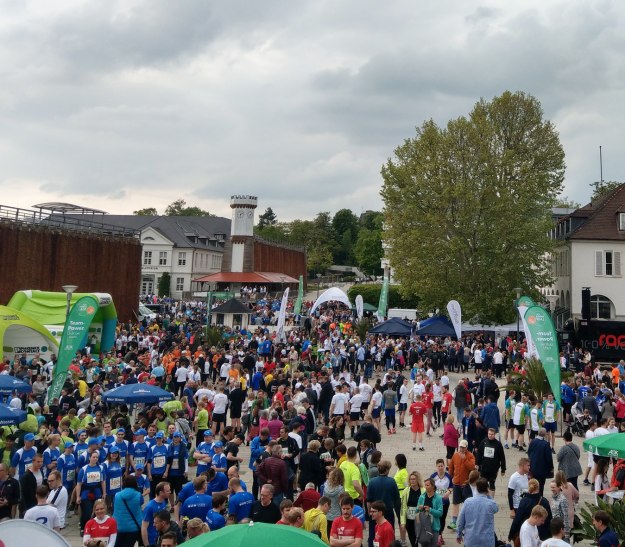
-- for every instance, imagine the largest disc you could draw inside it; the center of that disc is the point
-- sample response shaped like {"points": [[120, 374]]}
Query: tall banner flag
{"points": [[523, 304], [360, 306], [73, 339], [455, 314], [300, 296], [545, 338], [280, 334], [383, 303]]}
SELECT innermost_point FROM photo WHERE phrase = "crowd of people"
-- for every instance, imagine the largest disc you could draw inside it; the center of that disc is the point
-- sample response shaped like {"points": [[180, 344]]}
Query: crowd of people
{"points": [[318, 413]]}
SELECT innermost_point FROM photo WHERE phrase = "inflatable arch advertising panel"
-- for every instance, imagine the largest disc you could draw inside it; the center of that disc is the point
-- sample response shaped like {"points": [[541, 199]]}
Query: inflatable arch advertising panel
{"points": [[49, 310], [20, 334]]}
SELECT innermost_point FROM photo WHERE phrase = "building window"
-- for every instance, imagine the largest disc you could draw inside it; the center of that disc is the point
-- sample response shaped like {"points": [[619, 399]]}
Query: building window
{"points": [[621, 222], [607, 263], [601, 307], [180, 283], [216, 261], [162, 258], [147, 258], [182, 259]]}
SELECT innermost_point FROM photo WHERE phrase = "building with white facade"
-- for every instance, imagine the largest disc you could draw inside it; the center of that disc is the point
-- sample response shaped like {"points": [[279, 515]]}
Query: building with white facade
{"points": [[185, 247], [591, 244]]}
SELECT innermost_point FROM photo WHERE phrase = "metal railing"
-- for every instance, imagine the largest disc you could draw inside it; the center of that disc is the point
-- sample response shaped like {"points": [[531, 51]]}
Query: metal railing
{"points": [[80, 223]]}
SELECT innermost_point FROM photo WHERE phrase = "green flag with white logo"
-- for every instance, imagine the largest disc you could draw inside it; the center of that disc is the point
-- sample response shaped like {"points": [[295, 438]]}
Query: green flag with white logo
{"points": [[545, 340], [300, 296], [383, 303], [73, 339]]}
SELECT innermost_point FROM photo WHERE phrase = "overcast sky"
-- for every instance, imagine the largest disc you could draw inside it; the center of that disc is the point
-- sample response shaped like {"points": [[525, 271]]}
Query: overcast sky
{"points": [[120, 105]]}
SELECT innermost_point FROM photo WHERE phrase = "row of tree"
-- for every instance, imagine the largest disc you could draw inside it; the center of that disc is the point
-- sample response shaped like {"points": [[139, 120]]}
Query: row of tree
{"points": [[343, 239]]}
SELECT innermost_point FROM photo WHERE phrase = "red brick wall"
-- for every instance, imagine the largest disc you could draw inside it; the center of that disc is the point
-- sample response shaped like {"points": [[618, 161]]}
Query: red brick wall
{"points": [[45, 259], [275, 258]]}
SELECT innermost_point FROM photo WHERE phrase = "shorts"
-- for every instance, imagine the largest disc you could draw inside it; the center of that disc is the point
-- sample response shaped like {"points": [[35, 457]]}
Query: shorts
{"points": [[451, 450], [461, 494], [375, 412], [520, 429], [403, 407], [354, 416], [235, 414], [551, 427], [511, 424], [389, 412], [417, 427], [219, 418], [176, 482]]}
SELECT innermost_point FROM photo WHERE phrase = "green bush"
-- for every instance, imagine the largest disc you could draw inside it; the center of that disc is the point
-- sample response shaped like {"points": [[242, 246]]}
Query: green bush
{"points": [[371, 295], [617, 520]]}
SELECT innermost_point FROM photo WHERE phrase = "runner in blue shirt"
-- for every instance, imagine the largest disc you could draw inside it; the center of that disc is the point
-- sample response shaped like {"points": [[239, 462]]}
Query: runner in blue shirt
{"points": [[149, 534], [199, 504], [143, 484], [123, 448], [84, 458], [66, 465], [90, 487], [204, 452], [217, 482], [51, 454], [214, 518], [113, 474], [138, 451], [108, 434], [241, 502], [157, 462], [151, 438], [81, 444], [220, 462], [23, 457], [177, 461]]}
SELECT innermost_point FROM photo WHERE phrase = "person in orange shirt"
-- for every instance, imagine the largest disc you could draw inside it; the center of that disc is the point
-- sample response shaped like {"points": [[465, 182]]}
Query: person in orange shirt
{"points": [[460, 465], [616, 375]]}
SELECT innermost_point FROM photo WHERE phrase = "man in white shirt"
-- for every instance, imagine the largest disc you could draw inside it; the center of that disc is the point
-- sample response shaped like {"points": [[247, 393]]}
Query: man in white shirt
{"points": [[355, 405], [557, 534], [57, 496], [45, 514], [220, 402], [16, 402], [340, 402], [404, 395], [365, 390], [518, 485], [528, 535]]}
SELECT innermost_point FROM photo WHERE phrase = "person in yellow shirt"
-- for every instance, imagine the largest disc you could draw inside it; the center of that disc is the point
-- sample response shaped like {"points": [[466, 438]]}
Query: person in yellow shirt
{"points": [[315, 519], [82, 387], [352, 475]]}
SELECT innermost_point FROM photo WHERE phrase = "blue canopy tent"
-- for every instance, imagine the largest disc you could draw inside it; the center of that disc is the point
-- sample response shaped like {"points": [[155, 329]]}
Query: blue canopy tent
{"points": [[436, 326], [393, 327], [11, 416], [137, 393]]}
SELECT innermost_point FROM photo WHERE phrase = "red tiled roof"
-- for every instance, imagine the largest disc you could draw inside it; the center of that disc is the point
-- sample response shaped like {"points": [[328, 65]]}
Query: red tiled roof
{"points": [[246, 277], [602, 220]]}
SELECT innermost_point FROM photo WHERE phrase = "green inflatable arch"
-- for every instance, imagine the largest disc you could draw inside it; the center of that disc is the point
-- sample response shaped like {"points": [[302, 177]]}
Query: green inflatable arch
{"points": [[49, 309], [19, 334]]}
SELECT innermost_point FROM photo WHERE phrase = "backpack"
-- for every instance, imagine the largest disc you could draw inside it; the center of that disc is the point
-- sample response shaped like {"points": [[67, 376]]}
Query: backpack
{"points": [[423, 528]]}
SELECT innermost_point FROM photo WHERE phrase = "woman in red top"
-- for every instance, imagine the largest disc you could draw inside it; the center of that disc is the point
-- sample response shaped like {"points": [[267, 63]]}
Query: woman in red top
{"points": [[101, 530], [428, 401]]}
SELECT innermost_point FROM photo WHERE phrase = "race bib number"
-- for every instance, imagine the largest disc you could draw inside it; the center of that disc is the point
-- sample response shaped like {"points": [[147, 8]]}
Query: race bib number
{"points": [[139, 461], [441, 492], [174, 463], [71, 473], [412, 513], [93, 477], [159, 461], [489, 452], [115, 483], [122, 461], [285, 451]]}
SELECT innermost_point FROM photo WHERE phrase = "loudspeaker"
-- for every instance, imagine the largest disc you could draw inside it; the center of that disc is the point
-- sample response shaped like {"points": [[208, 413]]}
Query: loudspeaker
{"points": [[586, 304]]}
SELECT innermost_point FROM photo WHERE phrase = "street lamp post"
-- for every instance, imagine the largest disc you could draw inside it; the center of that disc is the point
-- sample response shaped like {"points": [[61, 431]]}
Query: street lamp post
{"points": [[69, 290], [517, 290]]}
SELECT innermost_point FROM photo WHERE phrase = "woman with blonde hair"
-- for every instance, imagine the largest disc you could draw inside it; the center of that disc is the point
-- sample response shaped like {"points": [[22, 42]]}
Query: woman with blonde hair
{"points": [[409, 498], [101, 530], [196, 527], [333, 488]]}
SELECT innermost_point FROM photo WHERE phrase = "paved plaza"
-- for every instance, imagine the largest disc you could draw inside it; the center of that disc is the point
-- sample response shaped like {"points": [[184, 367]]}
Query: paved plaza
{"points": [[424, 462]]}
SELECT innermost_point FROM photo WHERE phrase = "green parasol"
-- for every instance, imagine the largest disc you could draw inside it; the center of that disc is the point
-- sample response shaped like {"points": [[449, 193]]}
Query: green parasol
{"points": [[608, 446], [257, 534]]}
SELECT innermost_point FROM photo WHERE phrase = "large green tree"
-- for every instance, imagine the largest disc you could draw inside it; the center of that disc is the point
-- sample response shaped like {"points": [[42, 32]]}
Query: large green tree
{"points": [[268, 218], [468, 206], [345, 226], [368, 251]]}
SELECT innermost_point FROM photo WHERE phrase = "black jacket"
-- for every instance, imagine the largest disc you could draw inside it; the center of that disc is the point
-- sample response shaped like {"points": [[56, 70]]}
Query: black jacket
{"points": [[490, 464], [327, 392], [28, 489], [541, 458], [311, 469], [527, 503], [368, 431]]}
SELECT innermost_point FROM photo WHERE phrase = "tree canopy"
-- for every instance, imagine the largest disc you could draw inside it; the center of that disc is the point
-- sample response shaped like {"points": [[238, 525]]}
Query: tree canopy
{"points": [[180, 208], [268, 218], [468, 206], [603, 188], [147, 212]]}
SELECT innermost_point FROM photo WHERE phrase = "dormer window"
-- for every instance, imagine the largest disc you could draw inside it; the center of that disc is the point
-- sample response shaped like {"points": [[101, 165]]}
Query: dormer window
{"points": [[621, 222]]}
